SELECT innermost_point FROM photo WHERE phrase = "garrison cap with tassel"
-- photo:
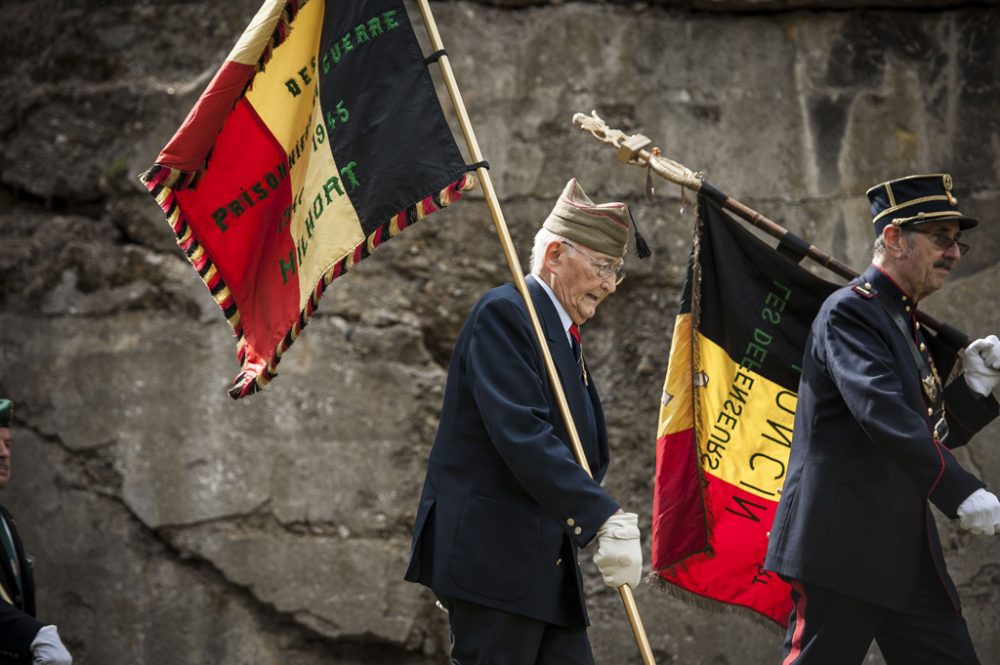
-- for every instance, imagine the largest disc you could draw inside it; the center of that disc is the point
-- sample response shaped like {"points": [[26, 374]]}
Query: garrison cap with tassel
{"points": [[916, 199], [6, 412], [602, 227]]}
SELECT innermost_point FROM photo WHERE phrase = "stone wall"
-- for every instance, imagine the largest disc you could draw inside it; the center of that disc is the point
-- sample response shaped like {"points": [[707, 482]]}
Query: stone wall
{"points": [[174, 525]]}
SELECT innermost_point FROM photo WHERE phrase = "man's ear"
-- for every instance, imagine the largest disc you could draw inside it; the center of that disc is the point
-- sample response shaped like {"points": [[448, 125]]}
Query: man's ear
{"points": [[554, 252], [892, 237]]}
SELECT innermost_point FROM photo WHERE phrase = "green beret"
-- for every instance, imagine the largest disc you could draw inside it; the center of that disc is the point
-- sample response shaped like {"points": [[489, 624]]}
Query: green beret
{"points": [[602, 227], [6, 411]]}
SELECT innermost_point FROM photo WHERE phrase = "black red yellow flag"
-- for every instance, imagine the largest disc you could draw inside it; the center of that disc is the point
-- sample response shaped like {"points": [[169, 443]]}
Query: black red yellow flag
{"points": [[318, 139], [727, 414]]}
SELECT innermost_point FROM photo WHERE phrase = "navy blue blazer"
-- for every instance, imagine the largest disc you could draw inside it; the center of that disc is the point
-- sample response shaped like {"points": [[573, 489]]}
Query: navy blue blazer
{"points": [[504, 505], [18, 626], [854, 515]]}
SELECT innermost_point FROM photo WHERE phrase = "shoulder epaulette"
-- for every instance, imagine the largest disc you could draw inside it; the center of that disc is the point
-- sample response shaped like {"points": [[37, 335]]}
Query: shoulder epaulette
{"points": [[866, 290]]}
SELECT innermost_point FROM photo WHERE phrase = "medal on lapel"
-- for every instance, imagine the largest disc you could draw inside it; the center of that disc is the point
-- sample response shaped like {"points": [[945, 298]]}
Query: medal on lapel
{"points": [[930, 384]]}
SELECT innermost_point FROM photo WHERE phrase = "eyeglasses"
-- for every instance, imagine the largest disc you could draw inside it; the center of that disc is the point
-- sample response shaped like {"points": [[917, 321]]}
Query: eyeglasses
{"points": [[604, 269], [943, 242]]}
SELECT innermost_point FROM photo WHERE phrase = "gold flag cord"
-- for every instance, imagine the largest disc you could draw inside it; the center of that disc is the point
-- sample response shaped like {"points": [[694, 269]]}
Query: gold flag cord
{"points": [[515, 270], [4, 596], [635, 149]]}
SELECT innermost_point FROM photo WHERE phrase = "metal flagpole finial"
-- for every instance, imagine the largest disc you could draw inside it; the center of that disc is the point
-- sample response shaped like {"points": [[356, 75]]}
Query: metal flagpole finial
{"points": [[635, 149], [594, 124]]}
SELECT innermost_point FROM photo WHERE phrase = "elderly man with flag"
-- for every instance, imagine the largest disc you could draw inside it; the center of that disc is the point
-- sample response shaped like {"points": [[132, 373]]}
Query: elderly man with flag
{"points": [[871, 450], [23, 639], [505, 506]]}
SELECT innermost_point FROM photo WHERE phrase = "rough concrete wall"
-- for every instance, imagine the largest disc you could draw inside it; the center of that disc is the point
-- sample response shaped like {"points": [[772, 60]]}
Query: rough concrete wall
{"points": [[173, 525]]}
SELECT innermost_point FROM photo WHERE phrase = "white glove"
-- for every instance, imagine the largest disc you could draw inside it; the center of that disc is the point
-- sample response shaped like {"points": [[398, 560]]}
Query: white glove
{"points": [[619, 552], [48, 649], [982, 362], [991, 351], [980, 513]]}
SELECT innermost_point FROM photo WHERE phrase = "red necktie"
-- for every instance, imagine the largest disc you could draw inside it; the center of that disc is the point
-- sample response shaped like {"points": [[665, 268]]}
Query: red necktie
{"points": [[574, 332]]}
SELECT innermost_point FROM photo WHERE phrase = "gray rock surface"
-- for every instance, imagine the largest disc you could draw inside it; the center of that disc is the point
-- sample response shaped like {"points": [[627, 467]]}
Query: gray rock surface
{"points": [[173, 525]]}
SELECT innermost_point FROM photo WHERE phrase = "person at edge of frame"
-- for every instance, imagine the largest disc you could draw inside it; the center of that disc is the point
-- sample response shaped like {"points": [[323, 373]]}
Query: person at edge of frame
{"points": [[23, 639], [505, 506], [871, 450]]}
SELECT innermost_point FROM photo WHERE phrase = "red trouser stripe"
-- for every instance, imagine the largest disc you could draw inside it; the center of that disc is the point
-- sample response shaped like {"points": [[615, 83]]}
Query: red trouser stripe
{"points": [[800, 623]]}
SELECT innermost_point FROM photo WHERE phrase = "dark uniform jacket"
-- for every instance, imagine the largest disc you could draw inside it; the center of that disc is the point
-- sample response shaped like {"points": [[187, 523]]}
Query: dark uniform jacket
{"points": [[854, 515], [18, 626], [505, 505]]}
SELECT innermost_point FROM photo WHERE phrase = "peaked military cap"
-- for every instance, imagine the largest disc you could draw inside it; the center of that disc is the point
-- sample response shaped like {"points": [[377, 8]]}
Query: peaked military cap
{"points": [[916, 199], [6, 411], [602, 227]]}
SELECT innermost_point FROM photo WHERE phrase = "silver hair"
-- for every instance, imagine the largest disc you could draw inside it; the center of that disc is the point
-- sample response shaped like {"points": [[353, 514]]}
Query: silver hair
{"points": [[879, 248], [542, 239]]}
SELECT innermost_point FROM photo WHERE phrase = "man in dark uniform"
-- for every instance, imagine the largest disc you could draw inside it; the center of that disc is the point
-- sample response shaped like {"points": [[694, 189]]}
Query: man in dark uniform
{"points": [[505, 506], [23, 639], [854, 532]]}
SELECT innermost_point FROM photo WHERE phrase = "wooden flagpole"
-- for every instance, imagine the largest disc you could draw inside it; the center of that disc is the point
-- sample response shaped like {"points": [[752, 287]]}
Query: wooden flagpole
{"points": [[518, 277], [636, 150]]}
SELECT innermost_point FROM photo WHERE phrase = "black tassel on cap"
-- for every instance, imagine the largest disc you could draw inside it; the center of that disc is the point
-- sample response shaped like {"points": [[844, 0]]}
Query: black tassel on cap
{"points": [[641, 248]]}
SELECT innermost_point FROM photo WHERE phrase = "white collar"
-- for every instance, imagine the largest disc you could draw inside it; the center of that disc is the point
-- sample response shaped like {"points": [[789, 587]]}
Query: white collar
{"points": [[560, 310]]}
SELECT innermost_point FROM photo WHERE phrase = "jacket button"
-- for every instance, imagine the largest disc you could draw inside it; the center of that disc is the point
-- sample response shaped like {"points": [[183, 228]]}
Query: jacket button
{"points": [[558, 562], [578, 531], [923, 347], [930, 411], [570, 521]]}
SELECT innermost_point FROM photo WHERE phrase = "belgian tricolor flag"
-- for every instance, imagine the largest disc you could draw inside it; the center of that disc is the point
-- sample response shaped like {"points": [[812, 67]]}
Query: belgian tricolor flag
{"points": [[319, 138], [727, 414]]}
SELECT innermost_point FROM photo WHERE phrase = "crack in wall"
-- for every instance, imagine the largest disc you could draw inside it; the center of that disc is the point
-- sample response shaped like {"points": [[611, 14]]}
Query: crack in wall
{"points": [[293, 627]]}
